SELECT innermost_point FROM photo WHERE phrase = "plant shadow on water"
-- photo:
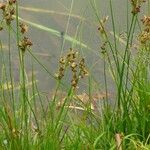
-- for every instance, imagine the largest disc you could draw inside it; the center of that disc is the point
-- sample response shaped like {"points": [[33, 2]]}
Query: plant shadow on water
{"points": [[73, 77]]}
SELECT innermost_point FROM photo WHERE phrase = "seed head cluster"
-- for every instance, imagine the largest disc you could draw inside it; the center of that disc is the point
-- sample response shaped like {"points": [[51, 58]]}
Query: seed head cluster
{"points": [[8, 10], [103, 33], [101, 28], [76, 65], [136, 5], [144, 37], [25, 42], [23, 28], [103, 47]]}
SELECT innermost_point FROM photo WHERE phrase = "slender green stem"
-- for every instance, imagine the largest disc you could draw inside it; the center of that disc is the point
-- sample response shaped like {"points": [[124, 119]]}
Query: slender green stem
{"points": [[123, 63], [115, 41], [10, 73]]}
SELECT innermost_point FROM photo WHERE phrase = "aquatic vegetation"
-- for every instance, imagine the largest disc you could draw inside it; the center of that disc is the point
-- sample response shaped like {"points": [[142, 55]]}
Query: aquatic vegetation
{"points": [[77, 113]]}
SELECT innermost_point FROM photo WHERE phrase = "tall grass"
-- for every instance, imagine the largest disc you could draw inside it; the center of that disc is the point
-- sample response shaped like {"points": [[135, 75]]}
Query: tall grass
{"points": [[30, 120]]}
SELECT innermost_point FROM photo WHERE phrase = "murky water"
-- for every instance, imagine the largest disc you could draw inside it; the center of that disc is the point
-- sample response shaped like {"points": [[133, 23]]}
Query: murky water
{"points": [[47, 47]]}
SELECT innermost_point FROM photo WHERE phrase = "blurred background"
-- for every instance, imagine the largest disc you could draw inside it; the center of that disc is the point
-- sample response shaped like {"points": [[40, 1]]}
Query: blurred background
{"points": [[58, 19]]}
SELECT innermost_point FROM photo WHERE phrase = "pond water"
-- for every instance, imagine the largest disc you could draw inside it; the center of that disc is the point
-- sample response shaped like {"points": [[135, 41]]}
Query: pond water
{"points": [[47, 47]]}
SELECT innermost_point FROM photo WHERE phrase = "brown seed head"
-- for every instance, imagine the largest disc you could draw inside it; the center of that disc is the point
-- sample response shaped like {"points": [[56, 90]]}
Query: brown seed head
{"points": [[2, 6], [73, 65], [25, 43], [12, 2], [12, 11], [146, 21], [23, 27], [62, 60]]}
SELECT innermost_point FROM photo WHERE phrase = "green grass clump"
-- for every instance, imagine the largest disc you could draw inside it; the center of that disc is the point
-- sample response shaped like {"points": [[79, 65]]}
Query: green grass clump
{"points": [[29, 119]]}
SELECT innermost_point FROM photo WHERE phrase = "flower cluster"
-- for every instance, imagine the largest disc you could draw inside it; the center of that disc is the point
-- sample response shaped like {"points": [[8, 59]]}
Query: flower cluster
{"points": [[136, 5], [23, 28], [8, 11], [144, 37], [25, 42], [146, 23], [103, 47], [75, 63], [103, 32], [83, 70], [101, 28]]}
